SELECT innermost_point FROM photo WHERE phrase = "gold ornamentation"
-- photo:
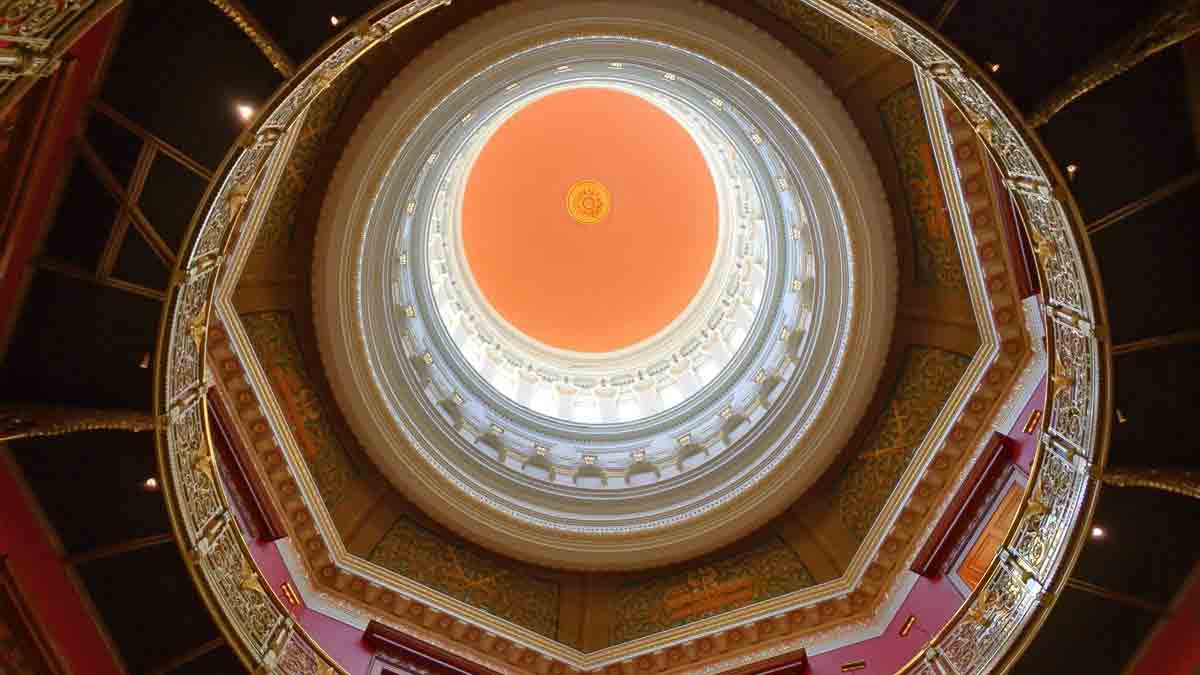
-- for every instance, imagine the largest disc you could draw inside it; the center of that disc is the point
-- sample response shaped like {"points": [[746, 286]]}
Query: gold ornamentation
{"points": [[250, 580], [31, 420], [1178, 481], [589, 202], [1174, 23], [248, 24], [1061, 378], [36, 34]]}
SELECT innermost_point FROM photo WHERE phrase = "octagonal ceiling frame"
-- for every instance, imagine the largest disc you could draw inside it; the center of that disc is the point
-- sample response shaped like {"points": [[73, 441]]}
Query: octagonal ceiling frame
{"points": [[999, 618], [983, 306]]}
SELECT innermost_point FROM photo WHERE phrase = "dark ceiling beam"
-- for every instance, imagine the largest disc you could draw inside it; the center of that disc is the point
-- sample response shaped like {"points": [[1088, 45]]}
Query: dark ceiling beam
{"points": [[1173, 23], [1157, 342], [128, 204], [1167, 191], [116, 236], [29, 420], [188, 656], [944, 13], [1176, 481], [159, 144], [119, 548], [250, 25], [75, 272], [1115, 596], [1191, 64]]}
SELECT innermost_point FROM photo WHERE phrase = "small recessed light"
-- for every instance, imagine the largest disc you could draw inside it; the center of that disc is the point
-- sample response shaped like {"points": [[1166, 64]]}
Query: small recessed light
{"points": [[1098, 532], [244, 111], [335, 20], [150, 484]]}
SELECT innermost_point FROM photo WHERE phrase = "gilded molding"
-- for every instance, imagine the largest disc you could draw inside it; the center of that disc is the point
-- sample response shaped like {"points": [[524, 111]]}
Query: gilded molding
{"points": [[1178, 481], [1171, 25], [250, 25], [19, 421]]}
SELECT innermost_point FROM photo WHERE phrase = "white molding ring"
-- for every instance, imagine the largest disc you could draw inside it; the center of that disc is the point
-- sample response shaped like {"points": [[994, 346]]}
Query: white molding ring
{"points": [[532, 367], [775, 461]]}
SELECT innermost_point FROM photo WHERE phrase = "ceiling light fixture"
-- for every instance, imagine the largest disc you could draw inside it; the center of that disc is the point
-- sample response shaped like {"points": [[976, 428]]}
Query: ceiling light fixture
{"points": [[994, 67], [1072, 169], [335, 21], [245, 112], [150, 484], [1098, 532]]}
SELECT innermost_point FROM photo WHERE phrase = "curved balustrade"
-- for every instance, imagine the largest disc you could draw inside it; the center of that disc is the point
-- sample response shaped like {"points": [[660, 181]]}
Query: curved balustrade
{"points": [[991, 629]]}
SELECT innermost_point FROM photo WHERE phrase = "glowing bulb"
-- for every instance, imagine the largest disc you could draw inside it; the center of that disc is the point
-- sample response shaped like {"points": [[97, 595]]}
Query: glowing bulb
{"points": [[1072, 169], [150, 484], [994, 67], [335, 21], [1098, 533], [245, 112]]}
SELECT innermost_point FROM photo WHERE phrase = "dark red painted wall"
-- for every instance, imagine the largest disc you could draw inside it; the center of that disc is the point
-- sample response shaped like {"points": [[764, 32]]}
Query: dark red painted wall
{"points": [[1174, 647], [43, 578], [46, 584]]}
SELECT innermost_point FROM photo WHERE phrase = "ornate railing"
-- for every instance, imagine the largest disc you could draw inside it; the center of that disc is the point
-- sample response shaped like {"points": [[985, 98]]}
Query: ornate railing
{"points": [[999, 619], [253, 620], [988, 632]]}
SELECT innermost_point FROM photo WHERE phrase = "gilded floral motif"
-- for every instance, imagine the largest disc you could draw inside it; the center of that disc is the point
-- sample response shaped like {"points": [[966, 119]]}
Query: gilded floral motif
{"points": [[274, 338], [829, 35], [279, 223], [937, 259], [502, 587], [237, 587], [657, 602], [925, 382]]}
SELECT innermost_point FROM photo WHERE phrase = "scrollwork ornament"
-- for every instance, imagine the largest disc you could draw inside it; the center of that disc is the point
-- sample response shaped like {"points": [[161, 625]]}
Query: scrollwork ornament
{"points": [[252, 612], [994, 615], [1056, 252], [201, 502], [297, 658], [1071, 402], [185, 365], [1042, 530], [37, 17]]}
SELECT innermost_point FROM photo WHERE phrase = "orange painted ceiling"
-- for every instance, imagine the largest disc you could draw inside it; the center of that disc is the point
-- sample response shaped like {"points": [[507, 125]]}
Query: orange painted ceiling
{"points": [[608, 285]]}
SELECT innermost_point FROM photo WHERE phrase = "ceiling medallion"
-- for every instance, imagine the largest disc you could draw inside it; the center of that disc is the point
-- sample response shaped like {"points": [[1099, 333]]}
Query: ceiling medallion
{"points": [[589, 202]]}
